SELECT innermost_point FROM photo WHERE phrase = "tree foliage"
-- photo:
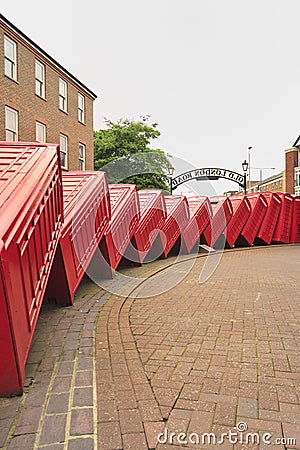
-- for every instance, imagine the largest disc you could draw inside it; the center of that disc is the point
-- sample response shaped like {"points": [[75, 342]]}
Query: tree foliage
{"points": [[123, 150]]}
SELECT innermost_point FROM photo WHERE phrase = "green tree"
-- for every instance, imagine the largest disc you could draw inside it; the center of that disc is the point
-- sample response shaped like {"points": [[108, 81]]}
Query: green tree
{"points": [[123, 151]]}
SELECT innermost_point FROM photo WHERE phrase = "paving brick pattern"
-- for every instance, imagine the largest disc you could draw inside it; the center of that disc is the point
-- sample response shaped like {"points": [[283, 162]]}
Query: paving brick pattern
{"points": [[58, 409], [197, 359], [201, 358]]}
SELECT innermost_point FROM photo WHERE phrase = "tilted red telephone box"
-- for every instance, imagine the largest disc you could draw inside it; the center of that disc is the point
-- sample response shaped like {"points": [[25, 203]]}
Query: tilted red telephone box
{"points": [[31, 211]]}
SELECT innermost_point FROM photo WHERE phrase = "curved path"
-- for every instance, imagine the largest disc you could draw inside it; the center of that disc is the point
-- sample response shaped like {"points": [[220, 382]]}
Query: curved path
{"points": [[196, 359], [202, 358]]}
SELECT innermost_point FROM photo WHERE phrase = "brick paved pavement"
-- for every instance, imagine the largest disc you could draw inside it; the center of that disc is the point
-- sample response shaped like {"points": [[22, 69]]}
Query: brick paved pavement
{"points": [[201, 358], [198, 358], [58, 409]]}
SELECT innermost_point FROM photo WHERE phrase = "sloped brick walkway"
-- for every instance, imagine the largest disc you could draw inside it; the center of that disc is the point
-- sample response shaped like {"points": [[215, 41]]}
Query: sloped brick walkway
{"points": [[203, 358], [58, 408], [199, 358]]}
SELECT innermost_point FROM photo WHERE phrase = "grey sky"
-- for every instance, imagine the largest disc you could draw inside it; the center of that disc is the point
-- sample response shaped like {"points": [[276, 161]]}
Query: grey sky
{"points": [[217, 75]]}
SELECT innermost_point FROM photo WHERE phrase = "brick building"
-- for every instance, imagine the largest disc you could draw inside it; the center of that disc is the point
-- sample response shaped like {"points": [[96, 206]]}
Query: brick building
{"points": [[292, 168], [275, 183], [41, 101]]}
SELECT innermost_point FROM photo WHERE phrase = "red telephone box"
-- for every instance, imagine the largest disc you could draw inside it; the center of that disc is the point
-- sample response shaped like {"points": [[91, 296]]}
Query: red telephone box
{"points": [[31, 211], [87, 212]]}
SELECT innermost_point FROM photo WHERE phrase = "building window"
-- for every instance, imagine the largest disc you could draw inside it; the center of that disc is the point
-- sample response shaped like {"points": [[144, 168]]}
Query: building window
{"points": [[10, 58], [39, 79], [80, 108], [63, 141], [81, 156], [62, 95], [11, 124], [297, 178], [40, 132]]}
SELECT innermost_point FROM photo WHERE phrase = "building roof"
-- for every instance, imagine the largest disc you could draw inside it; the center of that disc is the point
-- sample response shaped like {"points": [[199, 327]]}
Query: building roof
{"points": [[268, 180], [297, 142], [46, 55]]}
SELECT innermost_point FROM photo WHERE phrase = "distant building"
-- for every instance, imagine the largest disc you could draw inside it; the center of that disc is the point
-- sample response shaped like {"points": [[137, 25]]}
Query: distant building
{"points": [[292, 161], [275, 183], [230, 193], [251, 185], [286, 181], [41, 101]]}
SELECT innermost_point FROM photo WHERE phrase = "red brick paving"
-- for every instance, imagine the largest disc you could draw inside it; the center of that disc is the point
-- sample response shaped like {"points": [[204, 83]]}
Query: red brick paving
{"points": [[200, 358]]}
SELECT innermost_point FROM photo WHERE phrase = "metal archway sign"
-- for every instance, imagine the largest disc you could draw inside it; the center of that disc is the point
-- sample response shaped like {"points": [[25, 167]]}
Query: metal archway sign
{"points": [[209, 173]]}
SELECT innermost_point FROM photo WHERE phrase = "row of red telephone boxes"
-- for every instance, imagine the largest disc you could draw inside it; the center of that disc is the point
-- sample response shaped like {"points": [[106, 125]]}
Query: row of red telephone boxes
{"points": [[53, 225]]}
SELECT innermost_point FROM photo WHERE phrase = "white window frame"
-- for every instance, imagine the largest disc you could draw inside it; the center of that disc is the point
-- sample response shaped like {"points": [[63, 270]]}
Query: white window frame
{"points": [[13, 130], [63, 96], [38, 127], [63, 150], [40, 82], [297, 177], [12, 61], [81, 108], [81, 156]]}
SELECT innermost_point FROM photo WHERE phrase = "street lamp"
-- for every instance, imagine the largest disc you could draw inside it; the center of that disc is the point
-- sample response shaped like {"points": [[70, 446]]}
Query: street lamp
{"points": [[171, 171], [261, 174], [245, 168], [249, 166]]}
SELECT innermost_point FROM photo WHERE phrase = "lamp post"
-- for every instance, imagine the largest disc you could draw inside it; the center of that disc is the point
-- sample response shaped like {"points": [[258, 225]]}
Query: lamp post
{"points": [[245, 168], [171, 171], [261, 174]]}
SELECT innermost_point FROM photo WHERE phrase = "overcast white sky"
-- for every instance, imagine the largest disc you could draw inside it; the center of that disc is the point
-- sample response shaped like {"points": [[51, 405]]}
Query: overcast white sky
{"points": [[217, 75]]}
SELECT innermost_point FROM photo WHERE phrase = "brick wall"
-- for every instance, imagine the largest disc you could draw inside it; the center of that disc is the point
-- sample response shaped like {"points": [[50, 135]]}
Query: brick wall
{"points": [[276, 184], [21, 96], [291, 161]]}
